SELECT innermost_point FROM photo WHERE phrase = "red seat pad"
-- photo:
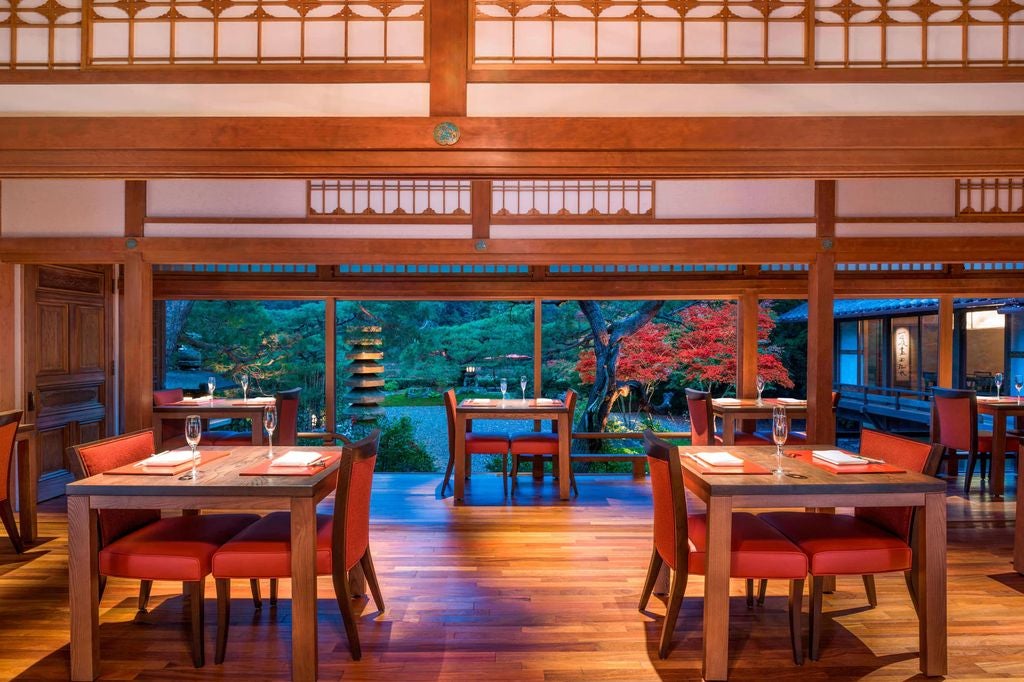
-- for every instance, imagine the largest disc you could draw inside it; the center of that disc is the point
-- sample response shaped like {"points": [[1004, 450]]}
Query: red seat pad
{"points": [[840, 544], [758, 550], [743, 438], [985, 442], [264, 549], [530, 443], [177, 548], [486, 443]]}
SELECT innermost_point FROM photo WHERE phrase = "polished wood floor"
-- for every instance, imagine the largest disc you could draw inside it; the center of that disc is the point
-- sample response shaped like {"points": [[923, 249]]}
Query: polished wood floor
{"points": [[532, 589]]}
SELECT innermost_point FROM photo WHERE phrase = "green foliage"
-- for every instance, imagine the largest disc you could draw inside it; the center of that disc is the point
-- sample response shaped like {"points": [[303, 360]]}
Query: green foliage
{"points": [[399, 449]]}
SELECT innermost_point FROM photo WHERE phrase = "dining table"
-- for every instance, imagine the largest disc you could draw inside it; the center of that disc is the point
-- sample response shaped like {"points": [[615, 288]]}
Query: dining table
{"points": [[1000, 409], [213, 408], [732, 410], [809, 485], [223, 483], [528, 409]]}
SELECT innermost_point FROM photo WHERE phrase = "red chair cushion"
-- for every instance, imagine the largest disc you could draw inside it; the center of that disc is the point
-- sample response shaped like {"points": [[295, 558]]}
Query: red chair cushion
{"points": [[758, 550], [538, 443], [486, 443], [744, 438], [176, 548], [903, 452], [664, 510], [985, 442], [954, 415], [840, 544], [264, 549]]}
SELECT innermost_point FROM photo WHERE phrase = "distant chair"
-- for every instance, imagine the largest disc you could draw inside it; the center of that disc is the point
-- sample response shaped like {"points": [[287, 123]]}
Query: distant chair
{"points": [[172, 431], [287, 403], [702, 423], [955, 428], [800, 437], [539, 444], [9, 422], [476, 444]]}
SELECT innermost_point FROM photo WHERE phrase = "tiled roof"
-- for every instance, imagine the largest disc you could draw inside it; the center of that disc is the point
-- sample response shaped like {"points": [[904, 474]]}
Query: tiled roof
{"points": [[854, 308]]}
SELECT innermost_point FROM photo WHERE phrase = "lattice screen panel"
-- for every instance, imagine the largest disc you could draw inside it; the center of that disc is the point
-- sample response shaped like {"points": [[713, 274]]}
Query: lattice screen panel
{"points": [[553, 200], [418, 200], [890, 267], [639, 268], [40, 34], [990, 197], [184, 32], [437, 269]]}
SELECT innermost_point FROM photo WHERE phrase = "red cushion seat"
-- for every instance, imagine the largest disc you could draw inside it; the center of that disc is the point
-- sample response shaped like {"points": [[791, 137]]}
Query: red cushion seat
{"points": [[758, 550], [985, 442], [536, 443], [176, 548], [486, 443], [840, 544], [264, 549]]}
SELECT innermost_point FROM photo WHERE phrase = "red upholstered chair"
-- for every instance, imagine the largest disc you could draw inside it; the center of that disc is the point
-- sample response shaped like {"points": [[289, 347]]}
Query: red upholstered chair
{"points": [[287, 403], [477, 443], [263, 550], [138, 544], [758, 550], [539, 444], [800, 437], [871, 540], [955, 428], [702, 423], [9, 422]]}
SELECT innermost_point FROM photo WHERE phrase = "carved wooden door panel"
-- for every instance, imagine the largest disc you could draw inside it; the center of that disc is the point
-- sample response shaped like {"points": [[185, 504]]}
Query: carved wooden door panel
{"points": [[67, 363]]}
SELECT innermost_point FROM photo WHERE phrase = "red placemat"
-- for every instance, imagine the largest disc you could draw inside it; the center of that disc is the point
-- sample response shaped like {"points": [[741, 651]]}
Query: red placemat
{"points": [[701, 468], [266, 468], [866, 468], [205, 457]]}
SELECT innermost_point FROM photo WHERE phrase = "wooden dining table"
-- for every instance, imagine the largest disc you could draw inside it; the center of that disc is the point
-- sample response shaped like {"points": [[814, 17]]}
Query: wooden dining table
{"points": [[999, 409], [468, 410], [732, 410], [217, 408], [220, 485], [810, 486]]}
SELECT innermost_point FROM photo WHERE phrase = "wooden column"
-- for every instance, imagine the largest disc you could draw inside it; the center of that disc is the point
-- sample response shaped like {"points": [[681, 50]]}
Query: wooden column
{"points": [[746, 351], [449, 55], [8, 363], [538, 349], [330, 364], [134, 208], [481, 207], [821, 423], [137, 338], [945, 376]]}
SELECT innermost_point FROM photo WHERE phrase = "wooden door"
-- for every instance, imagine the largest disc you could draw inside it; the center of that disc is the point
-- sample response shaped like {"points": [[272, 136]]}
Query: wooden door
{"points": [[67, 363]]}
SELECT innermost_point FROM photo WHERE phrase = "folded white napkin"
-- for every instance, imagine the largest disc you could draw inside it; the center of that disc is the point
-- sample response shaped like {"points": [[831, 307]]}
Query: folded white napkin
{"points": [[792, 401], [728, 401], [480, 401], [718, 459], [262, 399], [168, 459], [190, 399], [836, 457], [545, 401], [297, 458]]}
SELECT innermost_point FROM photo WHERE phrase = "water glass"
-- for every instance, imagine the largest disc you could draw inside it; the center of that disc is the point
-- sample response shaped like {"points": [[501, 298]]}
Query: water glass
{"points": [[522, 385], [759, 383], [504, 388], [245, 387], [193, 432], [270, 423], [1018, 383], [999, 382], [211, 383], [780, 432]]}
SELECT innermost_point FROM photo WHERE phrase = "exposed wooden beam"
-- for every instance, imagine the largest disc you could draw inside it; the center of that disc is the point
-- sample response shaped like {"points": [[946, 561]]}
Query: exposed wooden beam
{"points": [[926, 249], [134, 208], [449, 52], [821, 423], [304, 73], [945, 373], [138, 347]]}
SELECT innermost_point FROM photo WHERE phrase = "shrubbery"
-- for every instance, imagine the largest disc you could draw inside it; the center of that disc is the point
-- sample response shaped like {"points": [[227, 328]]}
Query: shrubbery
{"points": [[399, 449]]}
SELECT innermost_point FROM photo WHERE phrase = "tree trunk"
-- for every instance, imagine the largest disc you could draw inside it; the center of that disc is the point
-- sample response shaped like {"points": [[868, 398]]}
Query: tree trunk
{"points": [[177, 316]]}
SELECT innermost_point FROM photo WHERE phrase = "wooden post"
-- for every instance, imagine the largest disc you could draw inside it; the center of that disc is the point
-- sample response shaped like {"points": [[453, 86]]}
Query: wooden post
{"points": [[538, 320], [746, 352], [481, 208], [945, 374], [330, 364], [821, 423], [134, 208], [8, 314], [449, 57], [138, 342]]}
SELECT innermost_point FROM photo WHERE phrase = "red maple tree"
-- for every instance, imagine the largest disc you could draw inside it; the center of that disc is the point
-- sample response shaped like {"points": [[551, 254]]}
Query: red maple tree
{"points": [[645, 358]]}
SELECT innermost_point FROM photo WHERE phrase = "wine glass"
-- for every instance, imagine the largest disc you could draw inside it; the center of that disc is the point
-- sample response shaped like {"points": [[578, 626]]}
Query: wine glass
{"points": [[211, 383], [504, 388], [1018, 383], [759, 383], [999, 382], [522, 385], [245, 387], [270, 423], [193, 432], [780, 431]]}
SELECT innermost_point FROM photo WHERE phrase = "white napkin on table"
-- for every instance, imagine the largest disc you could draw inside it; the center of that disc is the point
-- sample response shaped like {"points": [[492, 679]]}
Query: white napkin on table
{"points": [[297, 458], [837, 457], [792, 401], [718, 459], [545, 401], [190, 399], [168, 459], [479, 401], [728, 401]]}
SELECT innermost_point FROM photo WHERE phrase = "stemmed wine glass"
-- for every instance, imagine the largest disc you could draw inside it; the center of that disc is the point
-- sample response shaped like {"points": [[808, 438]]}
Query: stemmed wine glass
{"points": [[244, 380], [759, 383], [1018, 383], [522, 385], [780, 431], [504, 388], [999, 382], [270, 423], [211, 383], [193, 431]]}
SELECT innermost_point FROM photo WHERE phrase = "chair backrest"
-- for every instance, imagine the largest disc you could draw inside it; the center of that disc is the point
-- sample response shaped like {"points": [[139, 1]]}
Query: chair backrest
{"points": [[351, 534], [9, 422], [671, 539], [955, 419], [169, 428], [702, 419], [908, 454], [570, 405], [103, 455], [287, 416], [835, 400]]}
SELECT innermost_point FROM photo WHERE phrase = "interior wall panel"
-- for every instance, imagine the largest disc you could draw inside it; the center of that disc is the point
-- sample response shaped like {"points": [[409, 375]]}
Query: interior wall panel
{"points": [[889, 197], [226, 198], [307, 231], [62, 208], [708, 230], [734, 199]]}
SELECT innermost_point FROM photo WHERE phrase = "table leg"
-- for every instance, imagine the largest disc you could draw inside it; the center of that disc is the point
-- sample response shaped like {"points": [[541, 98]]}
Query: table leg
{"points": [[1018, 530], [257, 430], [28, 488], [158, 432], [304, 645], [564, 475], [716, 588], [728, 430], [460, 458], [931, 585], [997, 472], [84, 589]]}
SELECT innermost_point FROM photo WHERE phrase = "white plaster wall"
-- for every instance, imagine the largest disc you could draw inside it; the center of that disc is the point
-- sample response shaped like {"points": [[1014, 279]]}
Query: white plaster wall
{"points": [[734, 199], [63, 208], [308, 230], [204, 99], [651, 231], [743, 99], [895, 229], [890, 197], [226, 198]]}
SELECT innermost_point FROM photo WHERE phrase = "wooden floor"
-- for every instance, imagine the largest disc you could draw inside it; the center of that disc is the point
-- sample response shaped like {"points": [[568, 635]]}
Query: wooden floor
{"points": [[533, 589]]}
